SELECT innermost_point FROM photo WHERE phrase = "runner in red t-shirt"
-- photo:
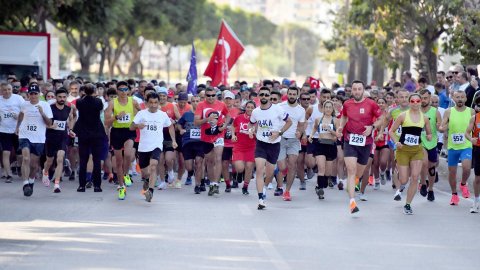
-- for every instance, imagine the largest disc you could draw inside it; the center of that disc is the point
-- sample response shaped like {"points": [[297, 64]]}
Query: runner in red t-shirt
{"points": [[360, 116], [243, 156], [214, 141]]}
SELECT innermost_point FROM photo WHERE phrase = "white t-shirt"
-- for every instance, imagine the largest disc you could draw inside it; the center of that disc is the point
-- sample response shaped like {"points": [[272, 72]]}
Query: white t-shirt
{"points": [[33, 127], [440, 134], [71, 98], [151, 136], [268, 120], [8, 107], [297, 115]]}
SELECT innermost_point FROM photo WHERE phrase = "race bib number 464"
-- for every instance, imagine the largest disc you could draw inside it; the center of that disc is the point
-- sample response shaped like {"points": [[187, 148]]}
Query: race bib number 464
{"points": [[357, 139]]}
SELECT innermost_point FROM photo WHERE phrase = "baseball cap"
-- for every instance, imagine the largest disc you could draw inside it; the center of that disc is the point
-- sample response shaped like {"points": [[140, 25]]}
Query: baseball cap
{"points": [[33, 89], [171, 93], [182, 96], [162, 91], [244, 88], [228, 94]]}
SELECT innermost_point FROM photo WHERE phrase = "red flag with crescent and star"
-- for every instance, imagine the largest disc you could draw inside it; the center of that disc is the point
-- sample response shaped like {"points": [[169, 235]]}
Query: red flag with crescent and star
{"points": [[225, 55]]}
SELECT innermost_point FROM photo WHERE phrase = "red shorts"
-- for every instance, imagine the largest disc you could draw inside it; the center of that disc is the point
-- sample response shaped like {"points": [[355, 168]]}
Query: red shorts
{"points": [[243, 155]]}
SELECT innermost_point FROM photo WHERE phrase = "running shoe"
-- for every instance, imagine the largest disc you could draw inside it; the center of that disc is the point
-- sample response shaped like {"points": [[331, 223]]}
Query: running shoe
{"points": [[286, 196], [197, 190], [278, 192], [235, 184], [245, 191], [377, 185], [370, 180], [363, 197], [465, 191], [407, 209], [127, 180], [145, 184], [27, 190], [353, 207], [357, 188], [178, 184], [383, 178], [97, 189], [430, 196], [148, 195], [330, 183], [67, 168], [270, 186], [207, 181], [303, 185], [203, 188], [188, 181], [81, 189], [402, 187], [340, 185], [228, 189], [57, 190], [211, 190], [475, 207], [455, 199], [72, 176], [320, 193], [388, 176], [105, 176], [122, 192], [216, 189], [89, 184], [398, 196], [310, 173], [423, 190], [171, 176], [261, 204], [8, 179], [162, 185], [45, 179]]}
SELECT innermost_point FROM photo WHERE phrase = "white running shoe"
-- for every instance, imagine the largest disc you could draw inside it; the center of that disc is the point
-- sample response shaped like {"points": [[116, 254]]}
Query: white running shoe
{"points": [[270, 186], [363, 197], [261, 204], [162, 185], [45, 179], [377, 185], [171, 176], [475, 207]]}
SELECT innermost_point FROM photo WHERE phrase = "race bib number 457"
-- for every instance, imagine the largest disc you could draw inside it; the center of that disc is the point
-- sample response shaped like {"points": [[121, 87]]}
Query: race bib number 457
{"points": [[357, 139]]}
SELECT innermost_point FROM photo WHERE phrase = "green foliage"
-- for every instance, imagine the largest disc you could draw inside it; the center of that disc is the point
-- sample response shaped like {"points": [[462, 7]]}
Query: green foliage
{"points": [[465, 36]]}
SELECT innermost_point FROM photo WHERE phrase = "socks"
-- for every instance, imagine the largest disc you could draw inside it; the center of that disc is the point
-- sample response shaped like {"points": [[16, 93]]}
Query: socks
{"points": [[31, 181], [190, 173], [25, 182], [151, 190], [260, 196], [228, 183], [352, 200], [245, 185], [56, 186]]}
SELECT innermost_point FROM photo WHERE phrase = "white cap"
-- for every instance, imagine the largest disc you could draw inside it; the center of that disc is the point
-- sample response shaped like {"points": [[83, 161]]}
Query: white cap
{"points": [[228, 94]]}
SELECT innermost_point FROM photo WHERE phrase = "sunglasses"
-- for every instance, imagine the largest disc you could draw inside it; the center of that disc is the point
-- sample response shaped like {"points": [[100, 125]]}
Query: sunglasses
{"points": [[33, 93], [264, 95], [455, 72], [449, 77], [413, 101], [123, 89], [210, 95], [274, 99], [305, 99]]}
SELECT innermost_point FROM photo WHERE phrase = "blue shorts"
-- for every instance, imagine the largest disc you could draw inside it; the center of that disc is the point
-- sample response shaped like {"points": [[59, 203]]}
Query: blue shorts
{"points": [[34, 148], [456, 156]]}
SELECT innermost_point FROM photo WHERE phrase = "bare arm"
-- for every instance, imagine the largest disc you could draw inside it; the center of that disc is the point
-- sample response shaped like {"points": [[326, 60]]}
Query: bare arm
{"points": [[398, 122], [109, 115], [444, 126], [468, 133]]}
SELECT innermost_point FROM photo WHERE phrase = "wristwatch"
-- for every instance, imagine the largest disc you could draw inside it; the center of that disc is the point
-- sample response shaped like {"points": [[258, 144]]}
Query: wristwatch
{"points": [[280, 132]]}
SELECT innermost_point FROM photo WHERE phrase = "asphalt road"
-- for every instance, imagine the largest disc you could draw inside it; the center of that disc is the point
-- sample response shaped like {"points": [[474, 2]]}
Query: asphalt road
{"points": [[181, 230]]}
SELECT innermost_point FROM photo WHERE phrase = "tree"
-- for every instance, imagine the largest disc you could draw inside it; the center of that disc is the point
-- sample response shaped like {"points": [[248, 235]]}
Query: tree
{"points": [[85, 23]]}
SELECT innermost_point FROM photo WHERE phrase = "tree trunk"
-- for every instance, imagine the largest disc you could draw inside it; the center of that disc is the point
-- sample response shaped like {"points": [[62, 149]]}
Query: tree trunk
{"points": [[103, 56], [168, 60], [362, 65], [353, 59], [430, 60], [406, 63], [378, 72]]}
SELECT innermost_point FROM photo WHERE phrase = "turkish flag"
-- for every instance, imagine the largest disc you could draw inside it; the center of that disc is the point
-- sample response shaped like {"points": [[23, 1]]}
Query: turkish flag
{"points": [[314, 83], [225, 55]]}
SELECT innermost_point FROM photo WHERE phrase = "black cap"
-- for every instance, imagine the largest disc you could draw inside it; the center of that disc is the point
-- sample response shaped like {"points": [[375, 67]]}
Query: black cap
{"points": [[33, 89]]}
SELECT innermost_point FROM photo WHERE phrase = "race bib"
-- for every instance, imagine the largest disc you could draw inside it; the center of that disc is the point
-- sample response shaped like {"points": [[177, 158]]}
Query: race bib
{"points": [[357, 139], [326, 130], [399, 131], [124, 119], [458, 138], [61, 125], [411, 140], [218, 142], [195, 133], [31, 127], [151, 127], [7, 115]]}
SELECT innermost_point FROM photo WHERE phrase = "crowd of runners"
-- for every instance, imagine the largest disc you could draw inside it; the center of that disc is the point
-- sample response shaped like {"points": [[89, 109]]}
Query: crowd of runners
{"points": [[274, 133]]}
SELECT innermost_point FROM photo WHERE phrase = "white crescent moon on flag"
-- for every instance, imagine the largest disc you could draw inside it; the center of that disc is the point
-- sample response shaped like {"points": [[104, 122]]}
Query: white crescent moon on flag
{"points": [[227, 47]]}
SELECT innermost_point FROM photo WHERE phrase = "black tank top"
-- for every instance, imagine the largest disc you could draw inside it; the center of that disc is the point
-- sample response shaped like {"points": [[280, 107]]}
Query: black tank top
{"points": [[60, 118]]}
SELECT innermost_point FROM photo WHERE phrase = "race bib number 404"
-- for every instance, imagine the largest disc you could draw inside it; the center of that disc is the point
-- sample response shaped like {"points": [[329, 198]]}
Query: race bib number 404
{"points": [[458, 138], [357, 139]]}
